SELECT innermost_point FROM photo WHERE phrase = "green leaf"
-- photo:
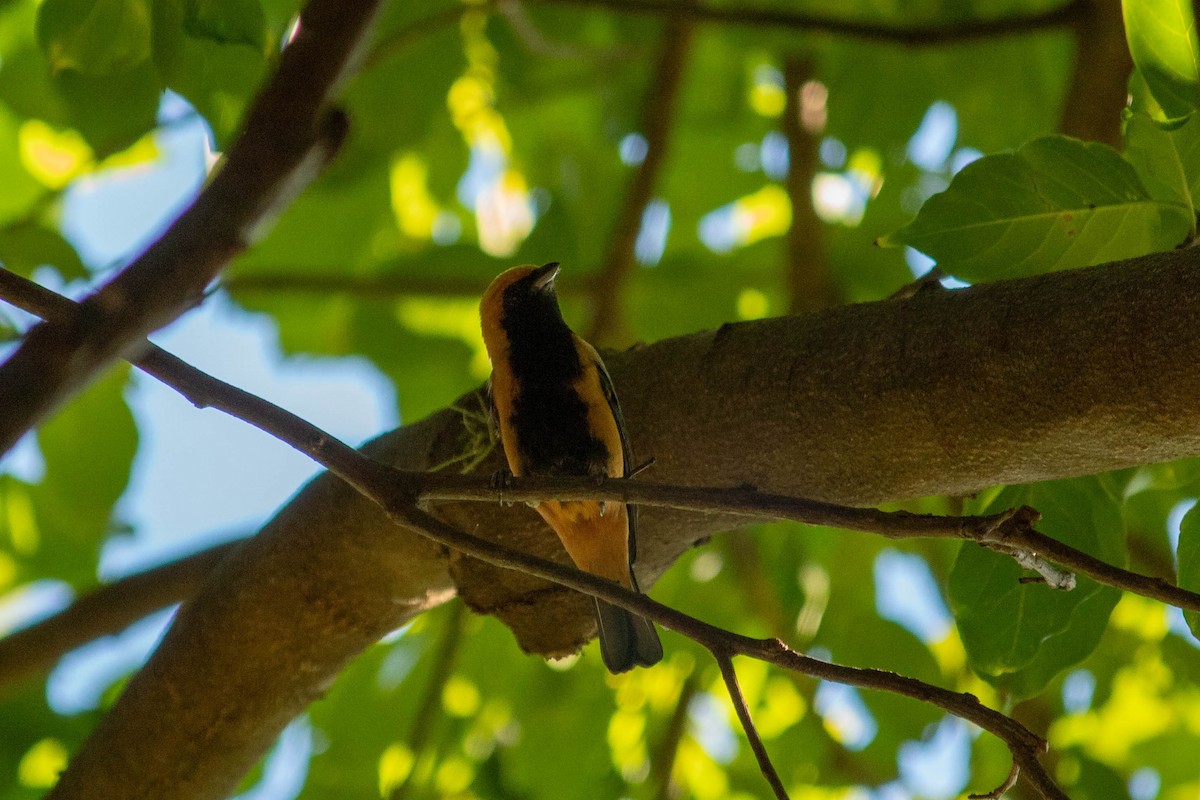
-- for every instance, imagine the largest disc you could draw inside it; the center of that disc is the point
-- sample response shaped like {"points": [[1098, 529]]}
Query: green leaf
{"points": [[1188, 557], [21, 189], [1167, 160], [1019, 636], [227, 21], [218, 79], [95, 37], [26, 721], [111, 111], [27, 87], [1056, 203], [416, 78], [1162, 41], [389, 678], [212, 54], [88, 448], [24, 248]]}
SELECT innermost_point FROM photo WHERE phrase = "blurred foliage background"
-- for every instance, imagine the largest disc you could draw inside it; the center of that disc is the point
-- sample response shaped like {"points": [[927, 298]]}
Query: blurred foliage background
{"points": [[689, 165]]}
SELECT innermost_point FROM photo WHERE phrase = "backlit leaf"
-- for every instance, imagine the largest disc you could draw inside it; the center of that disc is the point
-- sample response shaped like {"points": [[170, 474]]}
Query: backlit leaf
{"points": [[95, 37], [88, 448], [1188, 557], [1020, 635], [1056, 203], [1167, 159], [1162, 40]]}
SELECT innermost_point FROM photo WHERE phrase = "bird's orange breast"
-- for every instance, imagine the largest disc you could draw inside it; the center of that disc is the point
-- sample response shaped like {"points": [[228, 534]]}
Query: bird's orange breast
{"points": [[597, 542]]}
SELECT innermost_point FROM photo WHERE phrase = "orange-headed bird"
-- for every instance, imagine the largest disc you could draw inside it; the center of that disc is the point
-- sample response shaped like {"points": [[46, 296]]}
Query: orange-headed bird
{"points": [[558, 415]]}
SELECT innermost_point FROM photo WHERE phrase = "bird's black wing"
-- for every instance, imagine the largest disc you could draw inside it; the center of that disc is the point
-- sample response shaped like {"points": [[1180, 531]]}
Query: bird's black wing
{"points": [[610, 394], [490, 412]]}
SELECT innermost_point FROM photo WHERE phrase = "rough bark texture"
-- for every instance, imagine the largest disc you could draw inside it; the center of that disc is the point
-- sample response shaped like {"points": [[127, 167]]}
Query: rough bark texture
{"points": [[942, 393]]}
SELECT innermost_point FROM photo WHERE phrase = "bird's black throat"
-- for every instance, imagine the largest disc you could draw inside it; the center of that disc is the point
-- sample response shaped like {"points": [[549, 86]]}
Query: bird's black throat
{"points": [[549, 417]]}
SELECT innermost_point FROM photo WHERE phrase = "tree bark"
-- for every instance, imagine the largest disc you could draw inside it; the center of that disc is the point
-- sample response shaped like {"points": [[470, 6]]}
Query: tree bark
{"points": [[942, 393]]}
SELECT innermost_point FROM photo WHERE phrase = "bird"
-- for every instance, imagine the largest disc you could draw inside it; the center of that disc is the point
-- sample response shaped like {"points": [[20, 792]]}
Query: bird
{"points": [[558, 414]]}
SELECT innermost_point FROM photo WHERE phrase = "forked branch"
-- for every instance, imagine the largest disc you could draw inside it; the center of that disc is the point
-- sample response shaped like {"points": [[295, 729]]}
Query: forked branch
{"points": [[1010, 532], [394, 492]]}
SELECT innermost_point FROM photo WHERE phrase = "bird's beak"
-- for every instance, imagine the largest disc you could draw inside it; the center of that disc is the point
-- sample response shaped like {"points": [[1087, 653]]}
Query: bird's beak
{"points": [[543, 277]]}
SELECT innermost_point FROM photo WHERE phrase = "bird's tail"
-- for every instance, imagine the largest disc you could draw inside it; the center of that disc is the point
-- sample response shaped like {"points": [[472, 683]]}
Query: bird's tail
{"points": [[626, 640]]}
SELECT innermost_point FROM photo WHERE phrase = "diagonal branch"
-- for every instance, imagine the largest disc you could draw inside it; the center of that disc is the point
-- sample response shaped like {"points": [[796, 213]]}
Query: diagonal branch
{"points": [[1010, 532], [658, 116], [289, 135], [1024, 745], [393, 491], [945, 368], [729, 674]]}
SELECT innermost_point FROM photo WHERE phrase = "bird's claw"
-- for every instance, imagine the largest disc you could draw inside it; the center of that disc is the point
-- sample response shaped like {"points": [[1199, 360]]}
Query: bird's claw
{"points": [[501, 481]]}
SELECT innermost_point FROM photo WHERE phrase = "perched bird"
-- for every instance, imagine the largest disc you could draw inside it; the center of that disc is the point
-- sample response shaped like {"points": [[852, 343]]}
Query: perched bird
{"points": [[558, 415]]}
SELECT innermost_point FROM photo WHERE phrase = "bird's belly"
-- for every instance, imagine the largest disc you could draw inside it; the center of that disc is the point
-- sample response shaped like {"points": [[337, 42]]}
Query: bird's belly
{"points": [[595, 535]]}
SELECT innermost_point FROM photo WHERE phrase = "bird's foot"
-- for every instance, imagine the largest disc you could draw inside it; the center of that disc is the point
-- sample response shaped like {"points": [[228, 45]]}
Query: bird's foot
{"points": [[501, 481]]}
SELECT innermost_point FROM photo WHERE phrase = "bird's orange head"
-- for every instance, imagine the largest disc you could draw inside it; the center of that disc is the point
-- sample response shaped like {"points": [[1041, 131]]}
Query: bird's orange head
{"points": [[520, 291]]}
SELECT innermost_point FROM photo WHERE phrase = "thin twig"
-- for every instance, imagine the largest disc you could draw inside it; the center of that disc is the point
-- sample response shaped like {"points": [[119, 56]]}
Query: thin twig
{"points": [[791, 20], [1064, 16], [290, 133], [201, 389], [725, 662], [1009, 781], [1024, 745], [537, 43], [930, 281], [393, 491], [658, 117]]}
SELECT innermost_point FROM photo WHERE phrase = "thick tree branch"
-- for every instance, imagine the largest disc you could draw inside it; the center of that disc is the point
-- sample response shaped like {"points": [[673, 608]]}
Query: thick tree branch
{"points": [[788, 19], [658, 116], [1010, 532], [289, 134], [399, 497], [946, 392]]}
